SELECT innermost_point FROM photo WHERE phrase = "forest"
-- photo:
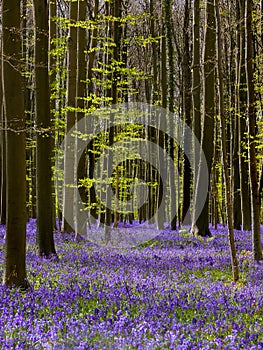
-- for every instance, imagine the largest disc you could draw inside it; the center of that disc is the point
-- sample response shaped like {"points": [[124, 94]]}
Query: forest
{"points": [[131, 174]]}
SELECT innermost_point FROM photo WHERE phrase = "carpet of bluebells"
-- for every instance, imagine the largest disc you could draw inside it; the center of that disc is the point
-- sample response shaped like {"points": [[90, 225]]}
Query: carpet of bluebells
{"points": [[173, 292]]}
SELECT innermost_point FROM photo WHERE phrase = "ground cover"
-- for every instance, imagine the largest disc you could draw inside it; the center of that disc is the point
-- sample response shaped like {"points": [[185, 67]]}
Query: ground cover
{"points": [[173, 292]]}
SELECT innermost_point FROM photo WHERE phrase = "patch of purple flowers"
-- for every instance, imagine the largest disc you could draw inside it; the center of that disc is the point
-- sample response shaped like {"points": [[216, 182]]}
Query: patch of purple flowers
{"points": [[174, 292]]}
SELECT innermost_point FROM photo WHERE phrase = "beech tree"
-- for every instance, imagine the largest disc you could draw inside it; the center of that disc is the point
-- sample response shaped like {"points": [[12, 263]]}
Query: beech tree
{"points": [[241, 103], [221, 109], [201, 225], [196, 89], [187, 108], [2, 155], [68, 189], [15, 244], [113, 59], [171, 97], [253, 173], [45, 224]]}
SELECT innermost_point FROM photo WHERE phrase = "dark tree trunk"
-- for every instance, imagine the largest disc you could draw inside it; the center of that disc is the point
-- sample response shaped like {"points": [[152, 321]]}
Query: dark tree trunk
{"points": [[201, 224], [45, 224], [228, 192], [242, 125], [2, 155], [80, 104], [255, 210], [15, 245], [52, 82], [187, 107]]}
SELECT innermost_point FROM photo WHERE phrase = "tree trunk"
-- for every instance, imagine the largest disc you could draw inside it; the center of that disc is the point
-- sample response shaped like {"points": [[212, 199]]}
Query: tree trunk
{"points": [[69, 176], [2, 153], [196, 92], [228, 191], [233, 87], [170, 121], [187, 106], [15, 246], [52, 82], [201, 224], [115, 57], [255, 210], [155, 89], [161, 124], [242, 125], [155, 97], [80, 168], [45, 224], [90, 150]]}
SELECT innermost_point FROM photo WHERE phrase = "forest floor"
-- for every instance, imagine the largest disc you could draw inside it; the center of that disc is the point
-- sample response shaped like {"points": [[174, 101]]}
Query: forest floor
{"points": [[173, 292]]}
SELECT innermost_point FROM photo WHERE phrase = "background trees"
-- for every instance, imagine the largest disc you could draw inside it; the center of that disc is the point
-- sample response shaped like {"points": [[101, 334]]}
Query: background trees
{"points": [[105, 52]]}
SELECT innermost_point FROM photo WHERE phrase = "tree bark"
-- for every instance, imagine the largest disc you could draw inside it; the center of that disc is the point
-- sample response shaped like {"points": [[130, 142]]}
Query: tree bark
{"points": [[242, 127], [237, 211], [81, 170], [187, 107], [52, 82], [253, 174], [115, 57], [228, 191], [2, 153], [15, 245], [160, 218], [69, 176], [196, 92], [45, 224], [201, 224], [90, 150]]}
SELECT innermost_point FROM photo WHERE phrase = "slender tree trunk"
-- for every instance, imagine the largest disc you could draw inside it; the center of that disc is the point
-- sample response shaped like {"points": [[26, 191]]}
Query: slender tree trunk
{"points": [[255, 210], [228, 191], [117, 8], [80, 168], [69, 176], [124, 57], [154, 53], [187, 106], [155, 97], [242, 127], [90, 153], [52, 82], [170, 121], [196, 92], [3, 178], [162, 126], [237, 211], [15, 245], [2, 153], [214, 192], [116, 11], [45, 224]]}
